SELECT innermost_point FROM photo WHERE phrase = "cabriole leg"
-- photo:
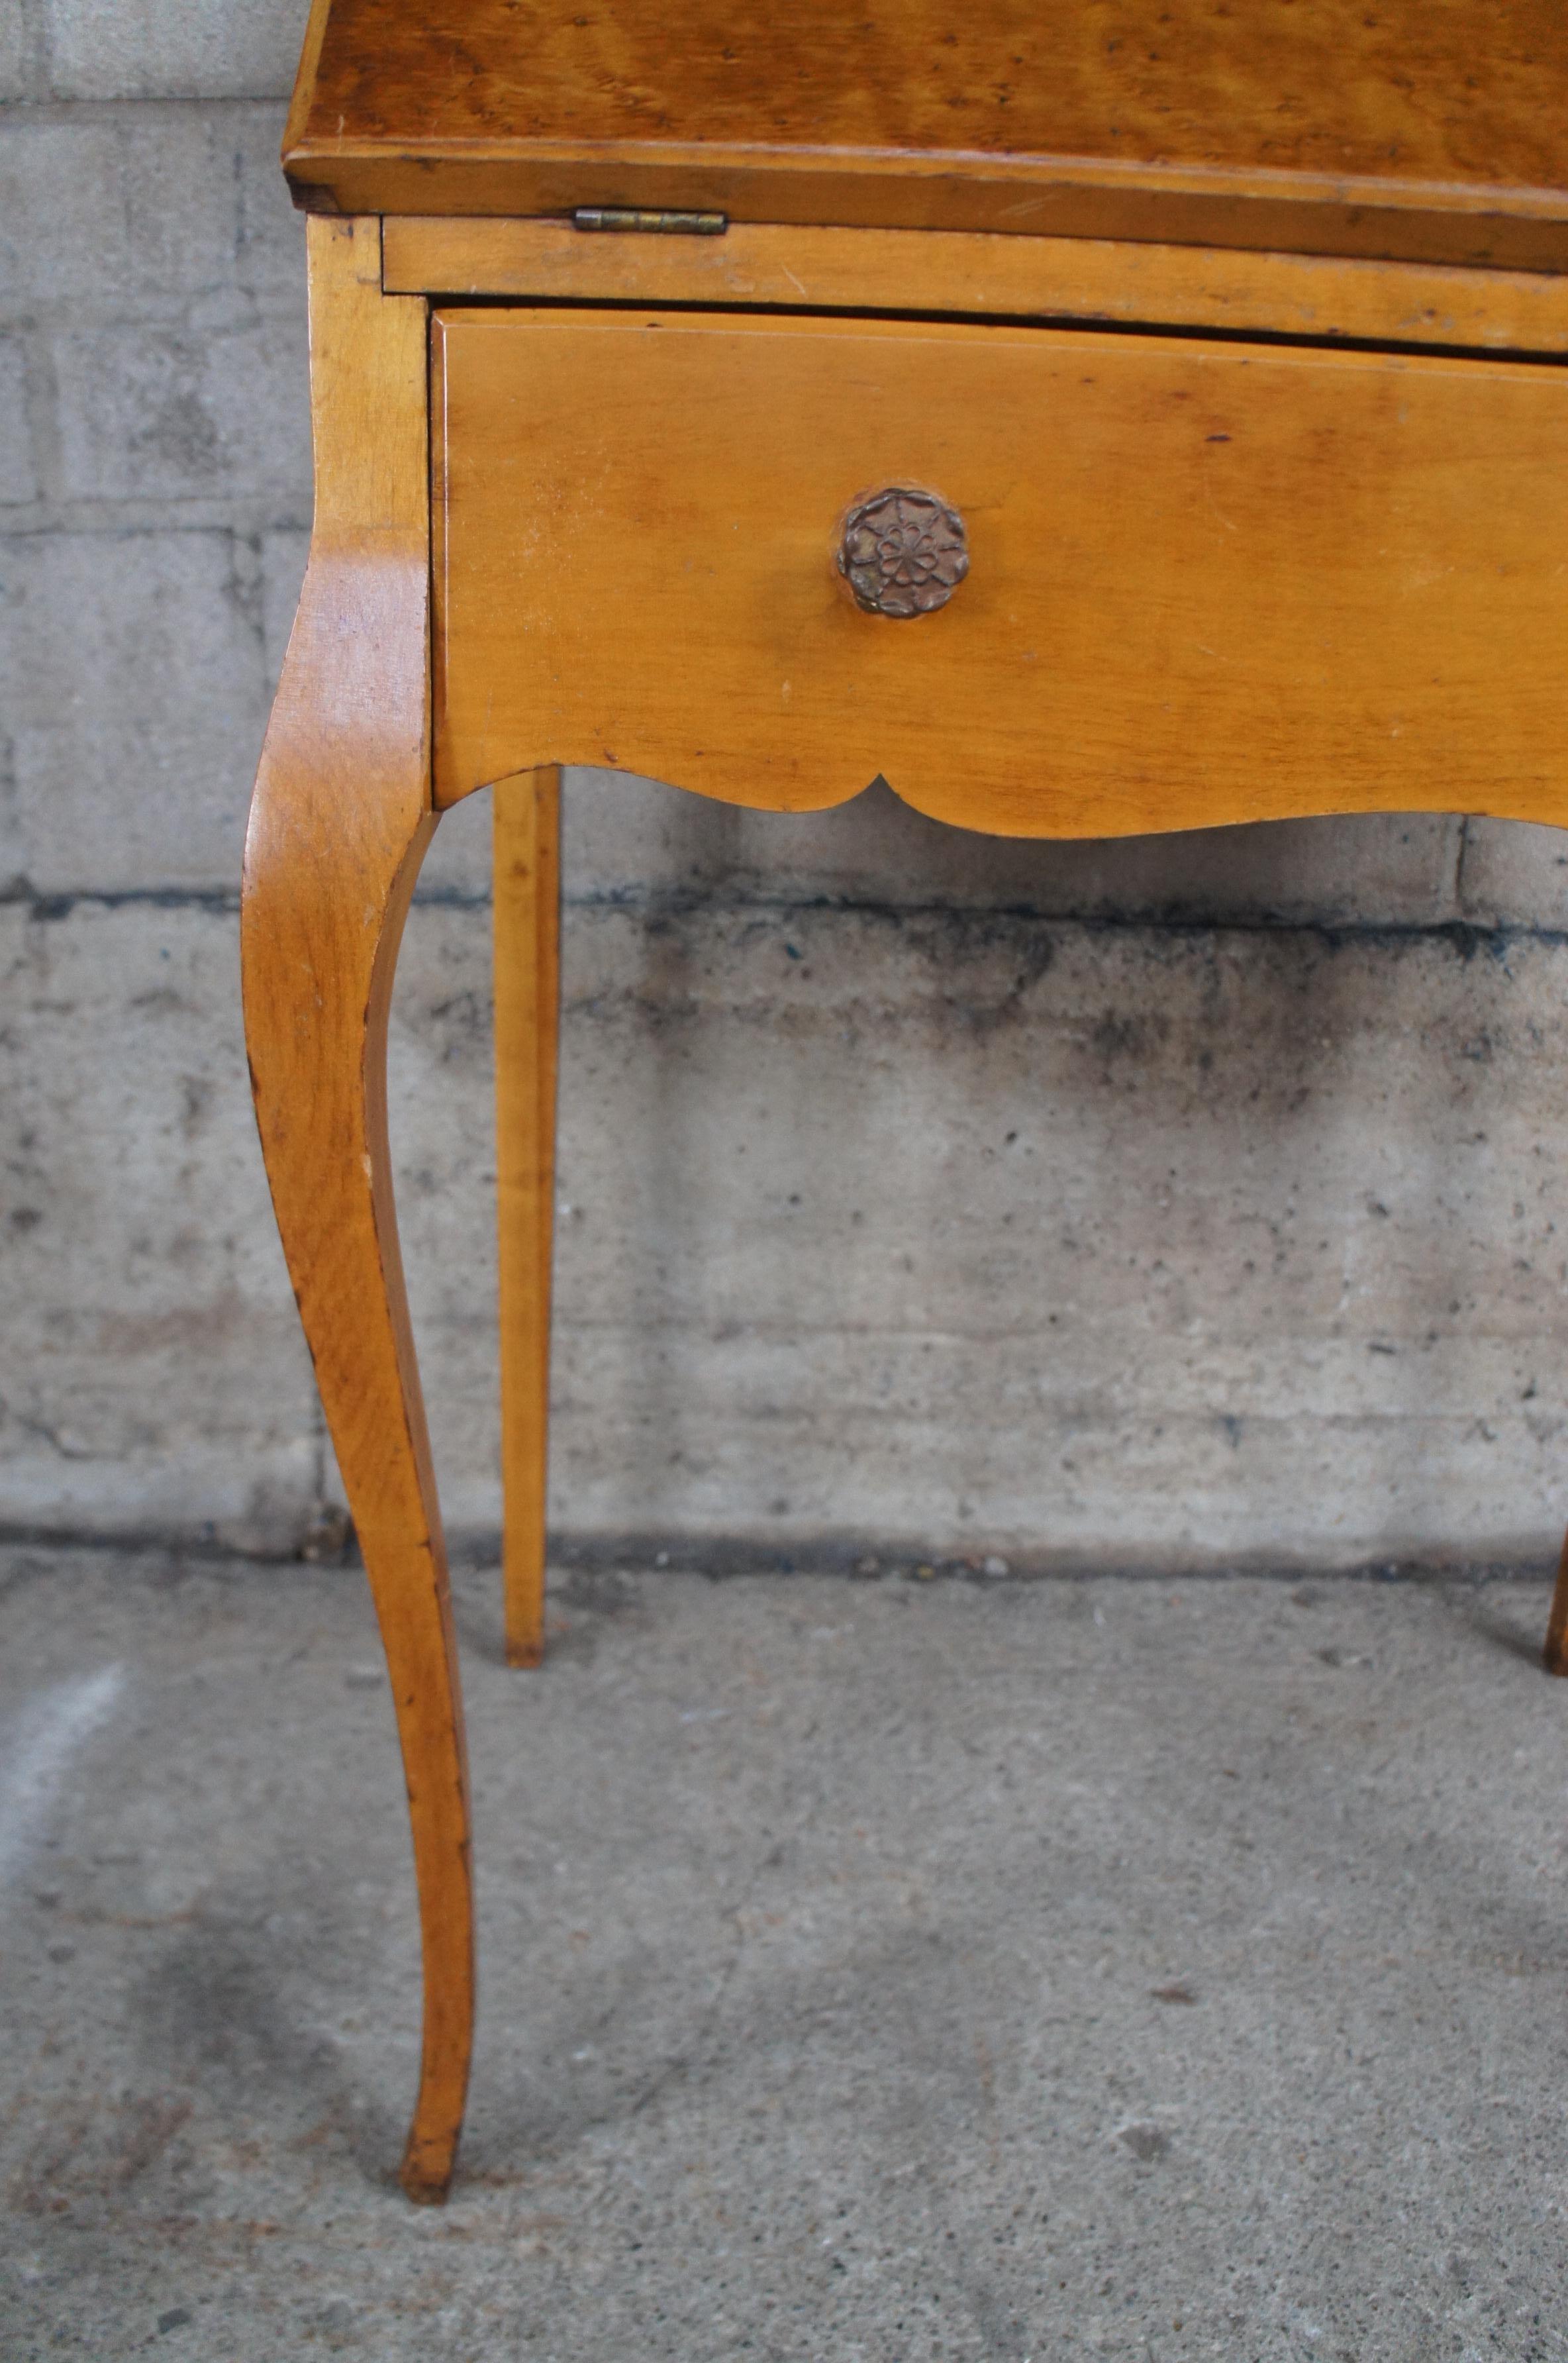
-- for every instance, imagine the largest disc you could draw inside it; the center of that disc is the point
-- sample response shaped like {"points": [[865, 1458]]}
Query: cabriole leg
{"points": [[338, 827], [318, 963]]}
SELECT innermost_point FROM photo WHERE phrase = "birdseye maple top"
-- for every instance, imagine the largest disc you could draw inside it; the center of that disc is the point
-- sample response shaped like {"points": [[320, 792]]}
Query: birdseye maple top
{"points": [[1431, 129]]}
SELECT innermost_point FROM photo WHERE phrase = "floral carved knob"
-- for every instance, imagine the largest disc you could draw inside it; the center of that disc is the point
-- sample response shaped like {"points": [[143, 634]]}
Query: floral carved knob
{"points": [[903, 551]]}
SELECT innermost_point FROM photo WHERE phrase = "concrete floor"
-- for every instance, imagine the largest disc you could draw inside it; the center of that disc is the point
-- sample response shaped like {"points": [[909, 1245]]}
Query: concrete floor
{"points": [[872, 1969]]}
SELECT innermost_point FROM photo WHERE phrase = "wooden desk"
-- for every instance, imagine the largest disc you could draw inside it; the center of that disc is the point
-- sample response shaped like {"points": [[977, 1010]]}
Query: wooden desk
{"points": [[1094, 419]]}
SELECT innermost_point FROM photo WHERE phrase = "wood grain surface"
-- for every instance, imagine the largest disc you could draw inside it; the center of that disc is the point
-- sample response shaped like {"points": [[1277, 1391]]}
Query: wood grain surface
{"points": [[957, 272], [527, 873], [338, 825], [1427, 128], [1208, 584]]}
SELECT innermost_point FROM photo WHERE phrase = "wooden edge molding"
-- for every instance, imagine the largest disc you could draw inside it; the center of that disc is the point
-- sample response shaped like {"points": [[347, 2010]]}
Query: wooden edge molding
{"points": [[976, 274], [305, 79], [1390, 220]]}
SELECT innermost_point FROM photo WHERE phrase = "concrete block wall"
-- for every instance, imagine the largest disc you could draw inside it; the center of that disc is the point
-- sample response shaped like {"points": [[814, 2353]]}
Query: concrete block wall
{"points": [[1195, 1199]]}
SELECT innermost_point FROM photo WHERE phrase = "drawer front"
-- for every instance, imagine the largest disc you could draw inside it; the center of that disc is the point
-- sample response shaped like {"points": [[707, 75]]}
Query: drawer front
{"points": [[1181, 582]]}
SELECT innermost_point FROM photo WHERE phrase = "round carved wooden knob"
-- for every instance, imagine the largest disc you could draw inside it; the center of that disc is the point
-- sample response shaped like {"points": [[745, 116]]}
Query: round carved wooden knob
{"points": [[903, 551]]}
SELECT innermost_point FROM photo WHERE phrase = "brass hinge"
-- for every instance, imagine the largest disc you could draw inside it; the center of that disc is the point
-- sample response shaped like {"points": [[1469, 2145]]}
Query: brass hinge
{"points": [[664, 225]]}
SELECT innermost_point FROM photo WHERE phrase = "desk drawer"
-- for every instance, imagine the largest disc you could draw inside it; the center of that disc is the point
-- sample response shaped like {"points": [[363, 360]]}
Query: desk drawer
{"points": [[1205, 581]]}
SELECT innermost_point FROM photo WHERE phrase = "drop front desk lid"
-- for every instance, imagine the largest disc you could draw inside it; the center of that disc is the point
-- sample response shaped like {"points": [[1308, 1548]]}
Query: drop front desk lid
{"points": [[1426, 130]]}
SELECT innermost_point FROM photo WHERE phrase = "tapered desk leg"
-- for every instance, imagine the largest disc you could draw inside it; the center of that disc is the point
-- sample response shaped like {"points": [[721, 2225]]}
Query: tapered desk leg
{"points": [[527, 1016], [338, 827], [1555, 1654]]}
